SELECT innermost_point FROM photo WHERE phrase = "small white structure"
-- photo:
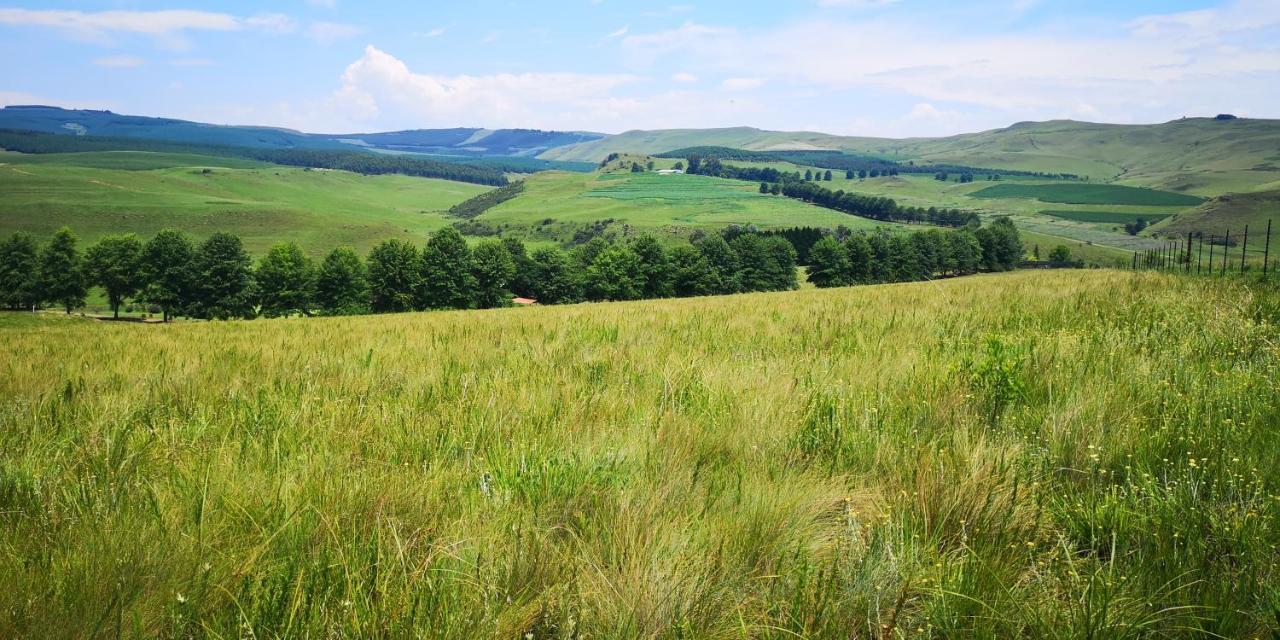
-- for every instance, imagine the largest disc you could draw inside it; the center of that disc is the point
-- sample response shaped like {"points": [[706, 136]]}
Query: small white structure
{"points": [[669, 172]]}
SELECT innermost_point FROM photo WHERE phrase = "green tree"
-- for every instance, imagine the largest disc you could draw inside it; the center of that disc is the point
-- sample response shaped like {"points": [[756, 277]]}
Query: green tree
{"points": [[166, 270], [222, 279], [691, 273], [614, 275], [19, 272], [764, 188], [554, 279], [1002, 248], [859, 255], [1060, 253], [826, 177], [808, 175], [115, 264], [61, 273], [521, 283], [655, 267], [849, 175], [395, 274], [447, 280], [965, 251], [829, 264], [723, 263], [342, 284], [492, 268], [781, 264], [286, 281]]}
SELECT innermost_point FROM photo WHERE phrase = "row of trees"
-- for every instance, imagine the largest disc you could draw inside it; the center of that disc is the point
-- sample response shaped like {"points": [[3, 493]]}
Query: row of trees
{"points": [[218, 279], [883, 257], [874, 207]]}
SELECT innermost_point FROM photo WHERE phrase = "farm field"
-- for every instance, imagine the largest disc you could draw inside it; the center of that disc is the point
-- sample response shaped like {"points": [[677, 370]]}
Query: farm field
{"points": [[263, 204], [1034, 454], [654, 202], [1078, 193]]}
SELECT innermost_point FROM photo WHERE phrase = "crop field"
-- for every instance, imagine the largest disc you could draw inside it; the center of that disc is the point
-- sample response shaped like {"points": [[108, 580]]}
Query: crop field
{"points": [[1107, 217], [1049, 454], [1081, 193], [652, 201], [101, 193]]}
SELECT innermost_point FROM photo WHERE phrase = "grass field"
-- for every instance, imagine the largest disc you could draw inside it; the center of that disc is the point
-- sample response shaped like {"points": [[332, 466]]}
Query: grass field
{"points": [[1058, 454], [654, 202], [264, 204], [1080, 193], [1106, 217]]}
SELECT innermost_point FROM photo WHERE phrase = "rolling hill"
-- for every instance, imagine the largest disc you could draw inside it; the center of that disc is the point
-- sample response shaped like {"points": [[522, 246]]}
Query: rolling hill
{"points": [[1201, 156]]}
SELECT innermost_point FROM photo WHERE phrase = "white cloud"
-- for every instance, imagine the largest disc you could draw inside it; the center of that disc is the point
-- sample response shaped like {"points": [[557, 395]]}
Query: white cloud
{"points": [[684, 78], [120, 61], [330, 32], [324, 4], [622, 31], [145, 22], [434, 33], [741, 84]]}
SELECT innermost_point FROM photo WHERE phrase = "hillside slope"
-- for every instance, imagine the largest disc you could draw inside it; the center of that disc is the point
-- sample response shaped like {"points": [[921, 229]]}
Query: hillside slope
{"points": [[1202, 156]]}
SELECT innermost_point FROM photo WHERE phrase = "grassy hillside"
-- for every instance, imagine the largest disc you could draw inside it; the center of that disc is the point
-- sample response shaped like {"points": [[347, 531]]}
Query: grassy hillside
{"points": [[1198, 156], [1083, 454], [657, 202], [1231, 212], [101, 193]]}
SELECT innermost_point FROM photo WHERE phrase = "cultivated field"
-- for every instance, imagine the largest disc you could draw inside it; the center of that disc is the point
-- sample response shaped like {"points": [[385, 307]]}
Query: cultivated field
{"points": [[1056, 454]]}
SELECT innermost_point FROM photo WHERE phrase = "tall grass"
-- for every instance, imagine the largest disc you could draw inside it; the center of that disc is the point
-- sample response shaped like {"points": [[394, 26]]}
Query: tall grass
{"points": [[1061, 455]]}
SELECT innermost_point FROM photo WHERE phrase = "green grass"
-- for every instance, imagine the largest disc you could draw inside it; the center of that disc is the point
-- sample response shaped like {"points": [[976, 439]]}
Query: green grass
{"points": [[1081, 193], [655, 203], [1106, 217], [103, 193], [1029, 455]]}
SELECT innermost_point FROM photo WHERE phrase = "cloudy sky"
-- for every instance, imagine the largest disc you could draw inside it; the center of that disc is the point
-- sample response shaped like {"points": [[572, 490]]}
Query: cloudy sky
{"points": [[860, 67]]}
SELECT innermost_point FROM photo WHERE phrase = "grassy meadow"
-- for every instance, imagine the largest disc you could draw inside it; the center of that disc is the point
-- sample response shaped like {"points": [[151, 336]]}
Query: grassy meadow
{"points": [[1082, 454], [114, 192]]}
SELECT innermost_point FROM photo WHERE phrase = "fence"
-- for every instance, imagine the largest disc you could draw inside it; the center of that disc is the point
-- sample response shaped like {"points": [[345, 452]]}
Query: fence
{"points": [[1189, 255]]}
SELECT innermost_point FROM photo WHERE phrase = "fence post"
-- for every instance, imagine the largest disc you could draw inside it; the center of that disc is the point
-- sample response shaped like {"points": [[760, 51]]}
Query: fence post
{"points": [[1266, 253], [1226, 248], [1244, 246], [1200, 257]]}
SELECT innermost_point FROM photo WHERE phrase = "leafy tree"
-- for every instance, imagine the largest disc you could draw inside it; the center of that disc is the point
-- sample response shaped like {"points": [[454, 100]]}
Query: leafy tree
{"points": [[678, 166], [862, 174], [1060, 253], [808, 175], [722, 263], [521, 280], [965, 251], [615, 274], [19, 272], [166, 271], [764, 187], [222, 279], [342, 284], [775, 189], [655, 267], [61, 274], [829, 264], [848, 175], [286, 281], [1001, 245], [766, 263], [115, 264], [554, 279], [859, 256], [584, 254], [827, 176], [691, 273], [781, 264], [395, 275], [492, 268], [447, 281]]}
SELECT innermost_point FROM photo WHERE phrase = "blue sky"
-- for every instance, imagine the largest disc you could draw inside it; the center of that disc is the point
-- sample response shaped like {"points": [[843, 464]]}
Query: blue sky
{"points": [[859, 67]]}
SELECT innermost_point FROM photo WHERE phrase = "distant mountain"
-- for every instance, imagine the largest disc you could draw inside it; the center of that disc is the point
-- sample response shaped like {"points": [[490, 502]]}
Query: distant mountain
{"points": [[470, 142]]}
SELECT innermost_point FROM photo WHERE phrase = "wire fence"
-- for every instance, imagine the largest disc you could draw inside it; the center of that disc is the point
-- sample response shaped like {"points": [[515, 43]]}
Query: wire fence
{"points": [[1209, 254]]}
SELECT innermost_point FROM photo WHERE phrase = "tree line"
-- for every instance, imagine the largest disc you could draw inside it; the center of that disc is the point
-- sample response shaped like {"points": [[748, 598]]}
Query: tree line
{"points": [[362, 162], [883, 257], [217, 279], [864, 165]]}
